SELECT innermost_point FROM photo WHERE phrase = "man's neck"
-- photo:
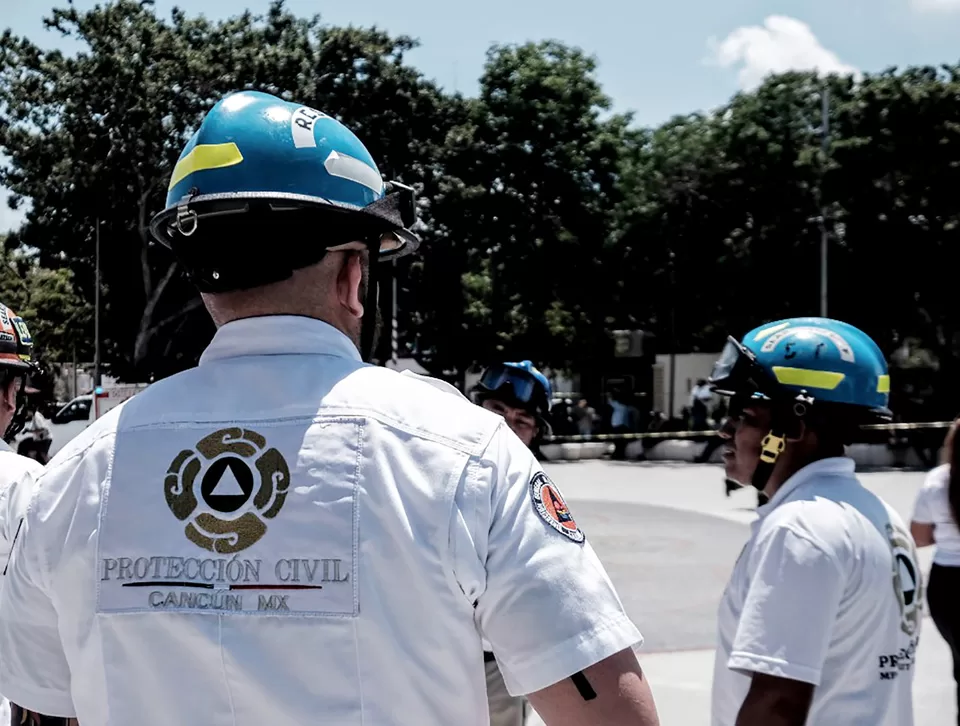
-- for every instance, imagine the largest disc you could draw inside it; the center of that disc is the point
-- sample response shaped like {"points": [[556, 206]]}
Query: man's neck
{"points": [[787, 467]]}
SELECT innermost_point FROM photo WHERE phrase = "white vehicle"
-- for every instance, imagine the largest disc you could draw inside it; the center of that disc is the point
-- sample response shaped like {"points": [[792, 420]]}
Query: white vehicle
{"points": [[82, 411]]}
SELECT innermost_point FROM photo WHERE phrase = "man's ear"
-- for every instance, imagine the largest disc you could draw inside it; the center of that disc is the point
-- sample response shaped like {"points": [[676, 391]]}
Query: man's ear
{"points": [[349, 279]]}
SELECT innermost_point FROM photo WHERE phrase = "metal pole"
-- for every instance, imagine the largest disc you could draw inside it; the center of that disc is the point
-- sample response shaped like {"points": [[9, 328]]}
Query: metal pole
{"points": [[394, 333], [825, 149], [673, 339], [96, 313], [73, 391]]}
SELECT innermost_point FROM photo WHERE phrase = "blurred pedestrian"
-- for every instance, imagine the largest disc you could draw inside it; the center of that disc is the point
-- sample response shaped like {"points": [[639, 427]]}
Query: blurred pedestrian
{"points": [[936, 513]]}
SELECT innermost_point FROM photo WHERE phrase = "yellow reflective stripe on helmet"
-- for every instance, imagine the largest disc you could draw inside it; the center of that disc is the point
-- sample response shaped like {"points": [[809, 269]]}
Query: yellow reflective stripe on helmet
{"points": [[826, 380], [883, 384], [203, 157]]}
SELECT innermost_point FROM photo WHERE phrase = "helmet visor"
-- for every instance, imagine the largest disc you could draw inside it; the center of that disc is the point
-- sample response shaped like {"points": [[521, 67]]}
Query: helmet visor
{"points": [[737, 373], [524, 387]]}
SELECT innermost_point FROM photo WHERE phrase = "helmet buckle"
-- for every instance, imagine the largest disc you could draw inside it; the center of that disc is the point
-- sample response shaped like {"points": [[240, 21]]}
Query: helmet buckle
{"points": [[772, 447], [186, 218]]}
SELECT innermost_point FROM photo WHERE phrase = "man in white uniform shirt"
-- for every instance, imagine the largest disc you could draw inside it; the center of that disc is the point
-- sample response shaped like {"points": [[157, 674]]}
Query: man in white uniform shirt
{"points": [[286, 535], [820, 621], [17, 473]]}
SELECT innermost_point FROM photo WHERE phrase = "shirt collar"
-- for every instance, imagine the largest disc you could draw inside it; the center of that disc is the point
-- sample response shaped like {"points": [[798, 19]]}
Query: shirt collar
{"points": [[834, 465], [4, 446], [278, 335]]}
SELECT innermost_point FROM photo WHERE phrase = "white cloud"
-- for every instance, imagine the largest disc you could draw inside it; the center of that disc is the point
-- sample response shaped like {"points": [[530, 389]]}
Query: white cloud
{"points": [[937, 4], [781, 44]]}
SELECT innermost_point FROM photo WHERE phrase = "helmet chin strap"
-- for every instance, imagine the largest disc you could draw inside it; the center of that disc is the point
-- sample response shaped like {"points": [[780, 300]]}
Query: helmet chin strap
{"points": [[773, 445], [775, 441], [20, 414]]}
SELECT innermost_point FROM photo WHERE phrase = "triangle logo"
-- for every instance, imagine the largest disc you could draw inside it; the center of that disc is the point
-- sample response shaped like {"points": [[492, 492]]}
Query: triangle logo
{"points": [[228, 486]]}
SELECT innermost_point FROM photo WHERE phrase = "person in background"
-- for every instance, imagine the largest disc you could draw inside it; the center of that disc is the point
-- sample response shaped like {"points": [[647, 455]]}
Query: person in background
{"points": [[18, 473], [521, 394], [936, 513], [619, 422], [584, 414], [699, 398], [37, 445], [820, 621]]}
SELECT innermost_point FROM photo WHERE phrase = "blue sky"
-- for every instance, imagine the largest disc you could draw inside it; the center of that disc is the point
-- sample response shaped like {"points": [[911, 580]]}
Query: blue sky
{"points": [[655, 59]]}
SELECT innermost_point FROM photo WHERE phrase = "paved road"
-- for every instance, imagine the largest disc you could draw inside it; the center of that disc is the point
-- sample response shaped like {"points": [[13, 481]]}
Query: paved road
{"points": [[669, 566], [669, 536]]}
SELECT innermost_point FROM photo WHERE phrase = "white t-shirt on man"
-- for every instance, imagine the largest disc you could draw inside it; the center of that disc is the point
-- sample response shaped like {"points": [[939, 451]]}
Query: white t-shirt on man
{"points": [[826, 591], [18, 474]]}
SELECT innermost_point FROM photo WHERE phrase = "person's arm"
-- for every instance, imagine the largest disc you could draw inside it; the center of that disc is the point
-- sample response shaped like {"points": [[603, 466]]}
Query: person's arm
{"points": [[786, 625], [613, 691], [548, 608], [922, 534], [921, 523], [773, 701]]}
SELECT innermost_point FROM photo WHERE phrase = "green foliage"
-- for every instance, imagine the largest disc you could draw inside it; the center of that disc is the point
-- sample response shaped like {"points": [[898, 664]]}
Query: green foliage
{"points": [[47, 300], [547, 220]]}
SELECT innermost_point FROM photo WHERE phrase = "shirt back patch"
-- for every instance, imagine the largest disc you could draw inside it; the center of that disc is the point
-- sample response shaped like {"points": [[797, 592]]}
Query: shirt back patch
{"points": [[237, 520]]}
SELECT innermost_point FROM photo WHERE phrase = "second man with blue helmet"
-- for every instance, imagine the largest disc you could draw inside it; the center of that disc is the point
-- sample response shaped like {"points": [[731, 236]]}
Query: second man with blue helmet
{"points": [[821, 618], [521, 394]]}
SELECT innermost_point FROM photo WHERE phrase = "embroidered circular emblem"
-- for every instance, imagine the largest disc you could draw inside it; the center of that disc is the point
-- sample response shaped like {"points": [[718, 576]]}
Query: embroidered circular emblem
{"points": [[240, 483], [552, 508]]}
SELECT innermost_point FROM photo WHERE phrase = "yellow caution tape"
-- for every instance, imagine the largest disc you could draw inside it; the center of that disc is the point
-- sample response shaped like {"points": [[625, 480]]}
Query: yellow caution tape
{"points": [[574, 438]]}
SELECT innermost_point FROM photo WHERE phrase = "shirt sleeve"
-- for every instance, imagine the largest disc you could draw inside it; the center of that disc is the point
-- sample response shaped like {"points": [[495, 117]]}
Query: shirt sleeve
{"points": [[789, 610], [922, 511], [33, 668], [548, 608], [923, 507]]}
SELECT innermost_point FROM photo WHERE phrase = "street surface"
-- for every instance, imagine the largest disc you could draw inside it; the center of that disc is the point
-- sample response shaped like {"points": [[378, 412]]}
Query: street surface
{"points": [[669, 537]]}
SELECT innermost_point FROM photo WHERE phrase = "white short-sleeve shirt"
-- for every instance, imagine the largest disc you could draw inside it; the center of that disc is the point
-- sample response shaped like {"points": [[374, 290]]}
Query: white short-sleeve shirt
{"points": [[826, 591], [933, 507], [285, 534], [17, 477]]}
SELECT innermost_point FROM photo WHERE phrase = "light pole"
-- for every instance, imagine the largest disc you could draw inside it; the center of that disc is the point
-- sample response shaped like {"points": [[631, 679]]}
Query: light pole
{"points": [[825, 151], [96, 312], [673, 333]]}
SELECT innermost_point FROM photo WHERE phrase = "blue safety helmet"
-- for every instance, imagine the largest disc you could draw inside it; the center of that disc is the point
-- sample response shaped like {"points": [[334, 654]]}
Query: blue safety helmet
{"points": [[520, 385], [266, 187], [824, 360], [809, 366]]}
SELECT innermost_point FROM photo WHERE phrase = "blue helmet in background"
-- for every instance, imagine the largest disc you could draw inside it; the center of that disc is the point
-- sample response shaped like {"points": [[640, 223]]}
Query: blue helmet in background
{"points": [[266, 186], [520, 385], [824, 360]]}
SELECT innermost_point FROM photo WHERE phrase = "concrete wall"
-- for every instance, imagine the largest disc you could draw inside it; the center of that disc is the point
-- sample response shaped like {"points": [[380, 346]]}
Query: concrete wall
{"points": [[689, 367]]}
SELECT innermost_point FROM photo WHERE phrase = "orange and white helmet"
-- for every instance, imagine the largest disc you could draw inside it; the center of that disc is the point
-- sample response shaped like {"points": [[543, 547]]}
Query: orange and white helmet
{"points": [[16, 344]]}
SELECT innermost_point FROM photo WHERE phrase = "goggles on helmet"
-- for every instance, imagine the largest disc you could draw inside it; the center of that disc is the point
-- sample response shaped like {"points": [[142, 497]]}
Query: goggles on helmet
{"points": [[525, 388], [737, 374]]}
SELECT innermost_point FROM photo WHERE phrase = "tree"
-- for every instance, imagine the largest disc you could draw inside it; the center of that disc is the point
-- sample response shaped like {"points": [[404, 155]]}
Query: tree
{"points": [[95, 136], [47, 300], [527, 210]]}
